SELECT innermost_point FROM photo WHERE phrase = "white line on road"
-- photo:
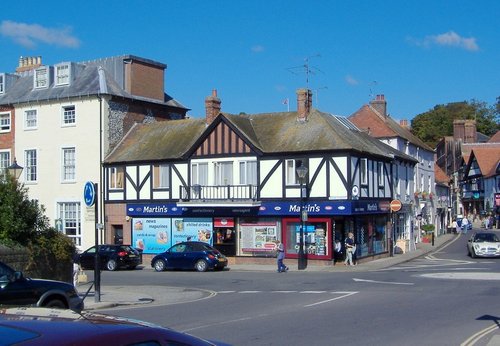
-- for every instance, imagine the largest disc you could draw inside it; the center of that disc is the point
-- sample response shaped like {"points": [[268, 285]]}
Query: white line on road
{"points": [[249, 292], [315, 292], [384, 282], [346, 294]]}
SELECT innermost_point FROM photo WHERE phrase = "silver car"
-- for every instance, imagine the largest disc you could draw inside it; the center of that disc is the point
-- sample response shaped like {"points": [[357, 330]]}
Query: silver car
{"points": [[483, 244]]}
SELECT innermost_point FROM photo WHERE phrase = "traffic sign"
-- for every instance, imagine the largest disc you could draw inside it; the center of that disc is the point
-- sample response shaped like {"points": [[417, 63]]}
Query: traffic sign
{"points": [[396, 205], [89, 194]]}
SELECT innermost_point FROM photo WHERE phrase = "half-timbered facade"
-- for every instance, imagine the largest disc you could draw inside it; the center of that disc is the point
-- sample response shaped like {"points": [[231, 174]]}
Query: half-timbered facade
{"points": [[232, 181]]}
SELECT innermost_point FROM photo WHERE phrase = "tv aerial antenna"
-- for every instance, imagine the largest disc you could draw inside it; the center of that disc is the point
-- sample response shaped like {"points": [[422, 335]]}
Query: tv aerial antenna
{"points": [[306, 68], [372, 84]]}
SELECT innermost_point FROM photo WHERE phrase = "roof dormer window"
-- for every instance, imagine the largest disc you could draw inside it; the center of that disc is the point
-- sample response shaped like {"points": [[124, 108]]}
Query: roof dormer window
{"points": [[42, 77], [62, 74]]}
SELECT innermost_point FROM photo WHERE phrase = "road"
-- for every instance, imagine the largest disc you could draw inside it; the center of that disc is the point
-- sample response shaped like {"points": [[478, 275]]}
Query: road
{"points": [[444, 298]]}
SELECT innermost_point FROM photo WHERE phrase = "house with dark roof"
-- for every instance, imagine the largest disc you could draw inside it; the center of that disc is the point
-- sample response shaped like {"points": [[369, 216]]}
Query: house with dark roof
{"points": [[480, 185], [242, 182], [59, 122], [418, 200]]}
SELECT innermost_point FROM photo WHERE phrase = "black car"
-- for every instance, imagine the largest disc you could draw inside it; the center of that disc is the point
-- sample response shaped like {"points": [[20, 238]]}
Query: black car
{"points": [[190, 255], [111, 257], [18, 290]]}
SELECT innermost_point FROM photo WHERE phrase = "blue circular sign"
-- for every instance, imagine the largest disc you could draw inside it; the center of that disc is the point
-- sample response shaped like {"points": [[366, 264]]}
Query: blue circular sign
{"points": [[89, 194]]}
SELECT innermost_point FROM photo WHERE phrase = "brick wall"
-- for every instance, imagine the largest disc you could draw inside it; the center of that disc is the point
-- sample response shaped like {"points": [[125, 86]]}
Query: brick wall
{"points": [[145, 80]]}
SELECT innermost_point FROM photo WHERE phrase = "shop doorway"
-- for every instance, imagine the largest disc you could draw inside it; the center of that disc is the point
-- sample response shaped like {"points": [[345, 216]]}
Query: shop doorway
{"points": [[118, 234], [224, 236]]}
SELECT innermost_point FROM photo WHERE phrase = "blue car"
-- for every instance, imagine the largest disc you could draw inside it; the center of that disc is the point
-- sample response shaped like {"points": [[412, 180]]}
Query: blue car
{"points": [[459, 224], [190, 255]]}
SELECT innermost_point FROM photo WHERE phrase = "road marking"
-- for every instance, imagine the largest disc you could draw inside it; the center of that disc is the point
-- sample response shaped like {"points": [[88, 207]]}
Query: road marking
{"points": [[314, 292], [476, 337], [383, 282], [283, 291], [345, 295], [245, 292], [226, 291], [464, 276]]}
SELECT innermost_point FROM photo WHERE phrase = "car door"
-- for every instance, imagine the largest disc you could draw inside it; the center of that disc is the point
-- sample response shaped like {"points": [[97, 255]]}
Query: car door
{"points": [[87, 258], [176, 256]]}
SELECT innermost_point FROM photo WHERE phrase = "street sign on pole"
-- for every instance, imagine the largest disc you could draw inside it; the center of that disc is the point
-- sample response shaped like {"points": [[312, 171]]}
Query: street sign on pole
{"points": [[395, 205]]}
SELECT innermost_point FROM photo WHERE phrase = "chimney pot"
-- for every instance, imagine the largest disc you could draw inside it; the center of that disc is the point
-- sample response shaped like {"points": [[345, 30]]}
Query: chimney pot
{"points": [[212, 107]]}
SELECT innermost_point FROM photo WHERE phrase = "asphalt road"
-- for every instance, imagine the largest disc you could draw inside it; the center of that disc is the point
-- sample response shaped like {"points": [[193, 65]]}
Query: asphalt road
{"points": [[444, 298]]}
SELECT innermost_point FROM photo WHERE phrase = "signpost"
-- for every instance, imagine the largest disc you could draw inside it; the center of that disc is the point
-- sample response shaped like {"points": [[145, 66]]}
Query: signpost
{"points": [[395, 205], [90, 198]]}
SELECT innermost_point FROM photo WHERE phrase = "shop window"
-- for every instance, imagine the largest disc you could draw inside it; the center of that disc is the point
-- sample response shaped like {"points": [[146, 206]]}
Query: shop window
{"points": [[316, 238]]}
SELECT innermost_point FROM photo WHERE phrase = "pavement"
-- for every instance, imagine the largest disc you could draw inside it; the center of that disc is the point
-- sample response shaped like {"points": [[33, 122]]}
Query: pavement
{"points": [[115, 296]]}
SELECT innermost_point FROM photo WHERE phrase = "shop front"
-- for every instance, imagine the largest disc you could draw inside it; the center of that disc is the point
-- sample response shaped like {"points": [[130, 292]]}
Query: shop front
{"points": [[253, 231]]}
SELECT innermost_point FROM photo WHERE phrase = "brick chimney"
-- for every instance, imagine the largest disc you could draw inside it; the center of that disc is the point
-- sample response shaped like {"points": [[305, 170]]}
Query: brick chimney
{"points": [[380, 104], [29, 63], [465, 130], [404, 124], [304, 104], [212, 107]]}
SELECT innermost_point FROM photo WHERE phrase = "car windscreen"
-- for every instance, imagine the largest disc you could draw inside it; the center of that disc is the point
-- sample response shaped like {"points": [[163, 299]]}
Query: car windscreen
{"points": [[487, 237]]}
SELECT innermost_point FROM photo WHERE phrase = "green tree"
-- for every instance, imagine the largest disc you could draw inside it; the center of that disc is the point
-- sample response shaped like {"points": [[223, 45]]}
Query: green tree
{"points": [[23, 222], [433, 125]]}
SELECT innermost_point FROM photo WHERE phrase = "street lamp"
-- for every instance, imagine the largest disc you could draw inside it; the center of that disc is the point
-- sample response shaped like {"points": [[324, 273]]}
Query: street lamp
{"points": [[302, 172], [15, 170]]}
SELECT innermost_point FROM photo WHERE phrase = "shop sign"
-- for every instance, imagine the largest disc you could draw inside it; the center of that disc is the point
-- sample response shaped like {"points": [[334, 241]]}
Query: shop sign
{"points": [[223, 222], [258, 237]]}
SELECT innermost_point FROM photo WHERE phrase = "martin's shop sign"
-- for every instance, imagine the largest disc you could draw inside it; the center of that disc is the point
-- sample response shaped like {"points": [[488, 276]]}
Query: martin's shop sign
{"points": [[266, 209]]}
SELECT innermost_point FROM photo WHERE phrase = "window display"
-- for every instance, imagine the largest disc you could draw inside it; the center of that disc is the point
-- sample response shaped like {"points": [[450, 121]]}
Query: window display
{"points": [[315, 237], [258, 238]]}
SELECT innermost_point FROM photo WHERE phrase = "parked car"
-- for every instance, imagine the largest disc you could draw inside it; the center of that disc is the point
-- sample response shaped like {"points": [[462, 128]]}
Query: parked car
{"points": [[111, 257], [18, 290], [483, 244], [190, 255], [42, 326]]}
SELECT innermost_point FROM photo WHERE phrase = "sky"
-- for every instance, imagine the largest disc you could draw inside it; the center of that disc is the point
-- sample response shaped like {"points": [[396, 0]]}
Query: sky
{"points": [[256, 54]]}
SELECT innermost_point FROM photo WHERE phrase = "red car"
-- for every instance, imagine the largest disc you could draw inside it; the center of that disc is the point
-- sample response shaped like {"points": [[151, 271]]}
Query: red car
{"points": [[42, 326]]}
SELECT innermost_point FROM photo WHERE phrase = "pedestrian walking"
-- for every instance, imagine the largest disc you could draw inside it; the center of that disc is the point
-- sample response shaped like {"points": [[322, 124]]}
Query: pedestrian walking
{"points": [[350, 247], [454, 226], [281, 256]]}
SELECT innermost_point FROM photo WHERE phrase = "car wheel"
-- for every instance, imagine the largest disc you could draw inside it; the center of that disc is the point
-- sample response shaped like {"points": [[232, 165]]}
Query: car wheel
{"points": [[111, 265], [201, 266], [160, 265], [55, 303], [472, 254]]}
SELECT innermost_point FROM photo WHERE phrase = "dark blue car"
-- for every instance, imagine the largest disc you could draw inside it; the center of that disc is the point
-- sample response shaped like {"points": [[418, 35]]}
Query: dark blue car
{"points": [[190, 255]]}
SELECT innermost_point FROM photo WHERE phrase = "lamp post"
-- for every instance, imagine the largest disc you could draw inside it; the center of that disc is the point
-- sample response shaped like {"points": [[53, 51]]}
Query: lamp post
{"points": [[15, 170], [302, 172]]}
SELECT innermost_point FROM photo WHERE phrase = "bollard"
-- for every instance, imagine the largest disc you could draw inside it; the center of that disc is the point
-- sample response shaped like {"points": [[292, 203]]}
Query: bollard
{"points": [[432, 239]]}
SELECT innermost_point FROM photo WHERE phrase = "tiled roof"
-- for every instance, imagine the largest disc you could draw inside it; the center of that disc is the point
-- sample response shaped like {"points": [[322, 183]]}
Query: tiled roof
{"points": [[495, 138], [268, 133], [488, 159], [165, 140], [380, 126], [95, 77], [440, 175]]}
